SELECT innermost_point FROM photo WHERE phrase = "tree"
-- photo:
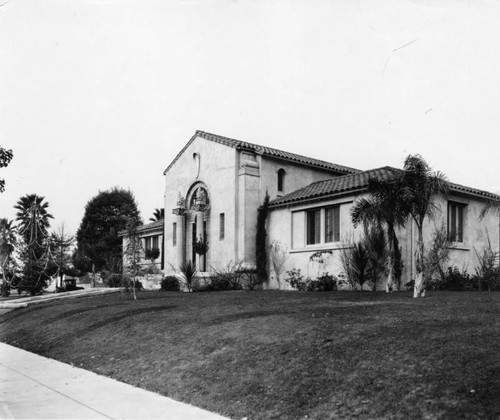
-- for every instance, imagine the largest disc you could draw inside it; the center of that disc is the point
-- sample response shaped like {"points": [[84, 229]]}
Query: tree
{"points": [[8, 242], [261, 239], [278, 254], [6, 156], [158, 214], [384, 208], [60, 244], [133, 252], [34, 222], [377, 255], [99, 245], [419, 186]]}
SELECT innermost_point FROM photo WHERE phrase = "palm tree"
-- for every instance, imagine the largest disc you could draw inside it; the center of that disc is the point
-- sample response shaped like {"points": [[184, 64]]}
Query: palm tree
{"points": [[33, 218], [419, 186], [158, 214], [8, 242], [384, 208], [33, 224], [492, 206]]}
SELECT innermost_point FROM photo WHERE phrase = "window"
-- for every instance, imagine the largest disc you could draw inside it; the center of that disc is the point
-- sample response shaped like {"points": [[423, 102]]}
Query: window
{"points": [[281, 180], [332, 224], [147, 244], [323, 225], [456, 221], [221, 226], [313, 227], [155, 242], [174, 234]]}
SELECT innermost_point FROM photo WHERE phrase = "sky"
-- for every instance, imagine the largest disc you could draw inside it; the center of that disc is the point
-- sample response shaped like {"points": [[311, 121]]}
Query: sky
{"points": [[97, 94]]}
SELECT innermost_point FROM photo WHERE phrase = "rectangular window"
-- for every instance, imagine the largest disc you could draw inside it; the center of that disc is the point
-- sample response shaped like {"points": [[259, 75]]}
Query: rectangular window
{"points": [[313, 227], [147, 244], [155, 242], [221, 226], [174, 234], [332, 224], [456, 221]]}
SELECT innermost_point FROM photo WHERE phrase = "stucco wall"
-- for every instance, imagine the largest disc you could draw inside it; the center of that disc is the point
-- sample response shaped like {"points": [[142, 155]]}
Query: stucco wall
{"points": [[288, 226], [217, 171]]}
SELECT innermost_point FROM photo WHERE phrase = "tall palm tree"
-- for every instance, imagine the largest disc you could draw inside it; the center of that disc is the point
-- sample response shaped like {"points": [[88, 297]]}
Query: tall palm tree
{"points": [[158, 214], [384, 208], [34, 222], [8, 242], [419, 186], [33, 218]]}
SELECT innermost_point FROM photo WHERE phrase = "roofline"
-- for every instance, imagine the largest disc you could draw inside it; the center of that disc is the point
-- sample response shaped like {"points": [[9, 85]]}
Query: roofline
{"points": [[261, 150], [453, 189], [313, 199]]}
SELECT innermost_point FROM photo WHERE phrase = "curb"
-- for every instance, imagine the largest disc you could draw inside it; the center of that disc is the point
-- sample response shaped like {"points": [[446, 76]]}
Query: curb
{"points": [[24, 302]]}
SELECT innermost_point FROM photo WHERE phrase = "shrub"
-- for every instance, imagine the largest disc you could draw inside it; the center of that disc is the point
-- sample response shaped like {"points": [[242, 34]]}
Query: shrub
{"points": [[117, 280], [152, 254], [229, 277], [188, 271], [250, 280], [326, 283], [295, 279], [170, 284], [457, 280], [488, 271]]}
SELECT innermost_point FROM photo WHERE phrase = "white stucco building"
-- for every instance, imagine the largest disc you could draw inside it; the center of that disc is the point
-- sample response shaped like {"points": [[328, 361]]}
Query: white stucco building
{"points": [[215, 185]]}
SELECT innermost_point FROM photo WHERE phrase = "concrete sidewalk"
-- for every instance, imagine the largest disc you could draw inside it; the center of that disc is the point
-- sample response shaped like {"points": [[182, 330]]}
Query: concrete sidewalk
{"points": [[35, 387]]}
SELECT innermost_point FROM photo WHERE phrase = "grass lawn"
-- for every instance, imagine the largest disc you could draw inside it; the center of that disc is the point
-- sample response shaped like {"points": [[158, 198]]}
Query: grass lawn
{"points": [[266, 355]]}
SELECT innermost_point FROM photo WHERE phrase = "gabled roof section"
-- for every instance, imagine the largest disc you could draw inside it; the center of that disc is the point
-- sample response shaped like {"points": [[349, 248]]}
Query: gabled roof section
{"points": [[265, 151], [358, 182]]}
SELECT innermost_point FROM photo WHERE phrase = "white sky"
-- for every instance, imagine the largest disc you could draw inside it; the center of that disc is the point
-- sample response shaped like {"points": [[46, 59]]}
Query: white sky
{"points": [[96, 94]]}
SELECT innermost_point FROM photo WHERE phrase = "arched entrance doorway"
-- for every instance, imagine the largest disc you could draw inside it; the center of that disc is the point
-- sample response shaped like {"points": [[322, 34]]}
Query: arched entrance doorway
{"points": [[197, 226]]}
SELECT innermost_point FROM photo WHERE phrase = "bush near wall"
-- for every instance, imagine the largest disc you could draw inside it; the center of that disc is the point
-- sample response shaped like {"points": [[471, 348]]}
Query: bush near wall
{"points": [[170, 284], [456, 280], [324, 283]]}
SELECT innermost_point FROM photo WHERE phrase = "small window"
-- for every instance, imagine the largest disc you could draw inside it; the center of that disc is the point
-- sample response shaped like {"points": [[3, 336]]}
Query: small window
{"points": [[221, 226], [155, 242], [281, 180], [456, 213], [174, 234], [147, 244], [313, 227], [332, 224]]}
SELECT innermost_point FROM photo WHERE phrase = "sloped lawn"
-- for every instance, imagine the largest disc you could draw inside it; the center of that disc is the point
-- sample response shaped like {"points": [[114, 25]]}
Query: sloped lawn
{"points": [[266, 355]]}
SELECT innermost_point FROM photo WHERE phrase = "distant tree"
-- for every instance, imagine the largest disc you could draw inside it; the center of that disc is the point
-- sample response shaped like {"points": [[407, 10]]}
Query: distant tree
{"points": [[6, 156], [133, 252], [60, 245], [261, 240], [158, 214], [99, 245], [34, 222], [8, 242]]}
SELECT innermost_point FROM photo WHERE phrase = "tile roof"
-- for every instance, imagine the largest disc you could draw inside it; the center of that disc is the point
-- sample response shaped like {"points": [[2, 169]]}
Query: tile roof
{"points": [[266, 151], [358, 182], [156, 226]]}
